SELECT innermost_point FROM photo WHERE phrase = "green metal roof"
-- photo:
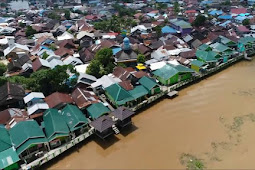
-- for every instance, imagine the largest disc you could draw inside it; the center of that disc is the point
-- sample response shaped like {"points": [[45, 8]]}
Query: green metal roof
{"points": [[204, 47], [147, 82], [26, 132], [166, 72], [97, 109], [8, 157], [74, 118], [54, 124], [246, 40], [5, 140], [30, 143], [119, 94], [197, 63], [225, 40], [218, 47], [182, 69], [181, 23], [138, 91], [207, 56]]}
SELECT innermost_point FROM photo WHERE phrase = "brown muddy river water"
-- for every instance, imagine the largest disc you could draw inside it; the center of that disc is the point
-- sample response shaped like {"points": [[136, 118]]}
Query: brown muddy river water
{"points": [[213, 120]]}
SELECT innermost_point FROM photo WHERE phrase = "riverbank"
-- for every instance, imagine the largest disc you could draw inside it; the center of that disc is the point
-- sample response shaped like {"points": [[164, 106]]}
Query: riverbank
{"points": [[202, 121]]}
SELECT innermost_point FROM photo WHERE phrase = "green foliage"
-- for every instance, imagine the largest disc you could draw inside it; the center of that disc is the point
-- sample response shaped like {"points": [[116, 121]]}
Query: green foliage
{"points": [[158, 30], [54, 15], [176, 8], [246, 22], [45, 55], [104, 56], [121, 65], [102, 64], [20, 80], [141, 58], [226, 3], [3, 5], [199, 21], [49, 81], [3, 80], [123, 11], [3, 69], [94, 68], [161, 6], [53, 47], [22, 25], [67, 14], [115, 24], [30, 31]]}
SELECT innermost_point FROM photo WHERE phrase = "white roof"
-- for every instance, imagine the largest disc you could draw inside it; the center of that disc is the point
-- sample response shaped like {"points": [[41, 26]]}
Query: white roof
{"points": [[173, 62], [51, 57], [33, 95], [159, 54], [55, 62], [72, 60], [84, 33], [65, 36], [4, 40], [105, 81], [38, 106], [81, 68], [158, 65], [45, 63], [16, 48], [138, 27], [44, 34], [86, 76]]}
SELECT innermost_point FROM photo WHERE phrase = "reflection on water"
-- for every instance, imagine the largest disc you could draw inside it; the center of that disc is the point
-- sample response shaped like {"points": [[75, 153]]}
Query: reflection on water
{"points": [[213, 120]]}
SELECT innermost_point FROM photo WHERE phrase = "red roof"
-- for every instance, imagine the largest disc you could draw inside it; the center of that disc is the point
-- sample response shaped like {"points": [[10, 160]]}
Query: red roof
{"points": [[243, 29], [90, 17], [190, 11], [56, 99], [238, 10]]}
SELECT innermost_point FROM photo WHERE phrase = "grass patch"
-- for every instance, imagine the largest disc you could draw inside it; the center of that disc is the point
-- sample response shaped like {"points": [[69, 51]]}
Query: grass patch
{"points": [[191, 162]]}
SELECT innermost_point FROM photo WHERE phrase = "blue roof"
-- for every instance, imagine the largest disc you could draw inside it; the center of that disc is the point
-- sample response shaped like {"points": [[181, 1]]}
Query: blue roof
{"points": [[225, 17], [240, 18], [167, 29], [225, 23], [206, 2], [216, 12], [116, 50]]}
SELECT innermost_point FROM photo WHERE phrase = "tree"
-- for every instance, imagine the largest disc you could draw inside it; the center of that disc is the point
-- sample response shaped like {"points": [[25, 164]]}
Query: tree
{"points": [[57, 79], [30, 31], [45, 55], [53, 47], [54, 15], [158, 30], [104, 56], [176, 8], [94, 68], [3, 69], [21, 24], [246, 22], [3, 80], [67, 14], [140, 58], [199, 21]]}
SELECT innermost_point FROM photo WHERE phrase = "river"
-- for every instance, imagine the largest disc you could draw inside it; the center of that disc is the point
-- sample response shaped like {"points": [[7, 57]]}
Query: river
{"points": [[213, 120]]}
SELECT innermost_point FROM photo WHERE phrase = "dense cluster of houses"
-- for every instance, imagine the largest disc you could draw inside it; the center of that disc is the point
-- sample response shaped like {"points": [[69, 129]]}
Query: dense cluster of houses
{"points": [[32, 123]]}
